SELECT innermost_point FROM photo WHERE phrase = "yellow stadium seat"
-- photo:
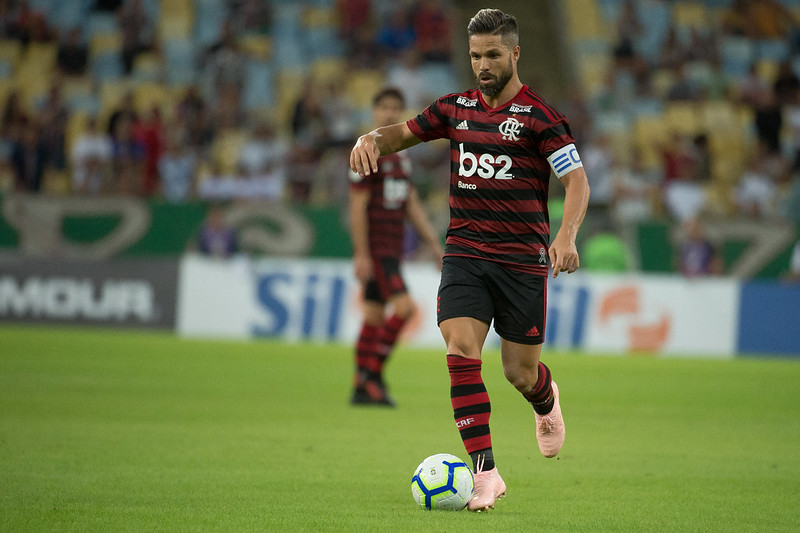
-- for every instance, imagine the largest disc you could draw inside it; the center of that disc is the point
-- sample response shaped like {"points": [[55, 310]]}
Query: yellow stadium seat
{"points": [[226, 149], [105, 43], [257, 46], [683, 117], [362, 84], [176, 20], [690, 14], [10, 52], [314, 17], [325, 70]]}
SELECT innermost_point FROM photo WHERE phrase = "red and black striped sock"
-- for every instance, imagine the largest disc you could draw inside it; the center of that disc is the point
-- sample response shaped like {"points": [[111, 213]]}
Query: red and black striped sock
{"points": [[387, 338], [367, 365], [541, 395], [470, 401]]}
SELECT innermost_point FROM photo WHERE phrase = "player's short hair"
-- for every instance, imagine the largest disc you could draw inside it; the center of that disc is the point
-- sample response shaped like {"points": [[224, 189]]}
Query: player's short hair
{"points": [[388, 92], [495, 22]]}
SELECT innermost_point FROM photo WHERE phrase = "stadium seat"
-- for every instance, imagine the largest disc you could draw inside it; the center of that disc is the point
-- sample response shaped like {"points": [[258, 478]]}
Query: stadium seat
{"points": [[181, 66], [176, 20], [774, 50], [258, 90], [226, 149], [10, 53], [683, 117], [690, 15], [106, 66], [737, 55], [106, 42], [209, 20], [99, 23], [256, 46]]}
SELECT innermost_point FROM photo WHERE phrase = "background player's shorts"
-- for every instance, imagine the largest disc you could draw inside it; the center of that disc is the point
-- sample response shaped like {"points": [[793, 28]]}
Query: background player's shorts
{"points": [[487, 291], [385, 281]]}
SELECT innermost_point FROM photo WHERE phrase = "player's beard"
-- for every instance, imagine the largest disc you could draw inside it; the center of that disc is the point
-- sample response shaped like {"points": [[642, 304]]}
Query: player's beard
{"points": [[493, 89]]}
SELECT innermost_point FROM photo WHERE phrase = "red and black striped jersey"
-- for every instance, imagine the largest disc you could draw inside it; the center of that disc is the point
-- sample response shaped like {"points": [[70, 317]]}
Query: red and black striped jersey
{"points": [[499, 174], [386, 210]]}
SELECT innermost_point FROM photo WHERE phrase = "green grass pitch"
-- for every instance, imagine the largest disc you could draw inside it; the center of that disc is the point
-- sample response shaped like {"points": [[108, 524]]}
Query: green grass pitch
{"points": [[129, 431]]}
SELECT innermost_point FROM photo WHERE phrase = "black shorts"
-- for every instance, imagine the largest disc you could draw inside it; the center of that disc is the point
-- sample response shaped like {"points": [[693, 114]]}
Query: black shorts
{"points": [[385, 281], [487, 291]]}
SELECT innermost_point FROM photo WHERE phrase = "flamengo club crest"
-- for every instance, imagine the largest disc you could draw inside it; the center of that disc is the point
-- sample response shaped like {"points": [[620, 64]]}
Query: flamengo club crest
{"points": [[510, 129]]}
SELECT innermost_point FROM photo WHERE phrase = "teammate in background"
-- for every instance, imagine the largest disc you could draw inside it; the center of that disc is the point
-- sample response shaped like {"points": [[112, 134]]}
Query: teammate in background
{"points": [[505, 141], [380, 203]]}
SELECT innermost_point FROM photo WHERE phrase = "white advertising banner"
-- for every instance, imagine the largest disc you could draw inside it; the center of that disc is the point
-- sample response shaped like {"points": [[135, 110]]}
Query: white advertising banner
{"points": [[661, 314], [320, 300], [291, 299]]}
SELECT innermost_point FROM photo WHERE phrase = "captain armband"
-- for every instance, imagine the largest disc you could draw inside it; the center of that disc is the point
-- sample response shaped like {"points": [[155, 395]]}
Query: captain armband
{"points": [[564, 160]]}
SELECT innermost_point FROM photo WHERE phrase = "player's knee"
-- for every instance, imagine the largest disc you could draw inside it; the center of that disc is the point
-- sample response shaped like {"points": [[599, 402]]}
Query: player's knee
{"points": [[522, 379], [404, 308]]}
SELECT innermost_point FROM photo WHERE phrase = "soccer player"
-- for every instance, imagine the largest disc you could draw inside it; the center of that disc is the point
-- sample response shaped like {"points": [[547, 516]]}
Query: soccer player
{"points": [[505, 141], [380, 203]]}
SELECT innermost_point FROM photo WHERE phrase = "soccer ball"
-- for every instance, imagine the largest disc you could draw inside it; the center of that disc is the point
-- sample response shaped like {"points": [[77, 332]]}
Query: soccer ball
{"points": [[442, 481]]}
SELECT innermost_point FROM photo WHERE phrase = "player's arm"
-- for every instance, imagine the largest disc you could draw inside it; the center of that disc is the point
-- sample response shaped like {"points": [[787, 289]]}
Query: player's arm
{"points": [[359, 233], [419, 219], [563, 252], [382, 141]]}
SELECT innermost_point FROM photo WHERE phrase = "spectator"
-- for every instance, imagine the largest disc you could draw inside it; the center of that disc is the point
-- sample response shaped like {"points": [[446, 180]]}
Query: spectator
{"points": [[91, 160], [396, 35], [177, 166], [406, 74], [127, 158], [149, 132], [29, 157], [225, 63], [14, 118], [264, 157], [126, 110], [634, 189], [217, 239], [684, 196], [433, 27], [53, 118], [697, 256], [192, 112], [73, 54], [793, 273], [136, 32], [355, 18], [683, 88], [787, 85], [756, 195]]}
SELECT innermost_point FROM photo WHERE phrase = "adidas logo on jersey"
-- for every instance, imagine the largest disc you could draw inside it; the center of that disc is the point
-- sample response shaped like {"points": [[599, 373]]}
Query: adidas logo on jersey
{"points": [[463, 125]]}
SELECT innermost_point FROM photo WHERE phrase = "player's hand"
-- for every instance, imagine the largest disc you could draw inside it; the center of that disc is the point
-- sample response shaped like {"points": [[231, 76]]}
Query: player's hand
{"points": [[364, 155], [563, 256], [362, 265]]}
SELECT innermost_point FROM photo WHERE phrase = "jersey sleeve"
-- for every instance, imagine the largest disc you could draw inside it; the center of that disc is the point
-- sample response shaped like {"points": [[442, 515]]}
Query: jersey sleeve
{"points": [[556, 143], [430, 124]]}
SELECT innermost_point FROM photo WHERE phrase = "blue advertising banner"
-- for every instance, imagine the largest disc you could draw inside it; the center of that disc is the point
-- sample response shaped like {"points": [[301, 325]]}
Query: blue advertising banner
{"points": [[769, 319]]}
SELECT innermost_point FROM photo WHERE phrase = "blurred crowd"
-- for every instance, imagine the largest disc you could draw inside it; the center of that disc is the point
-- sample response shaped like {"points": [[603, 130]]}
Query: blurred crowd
{"points": [[691, 115], [251, 117], [684, 111]]}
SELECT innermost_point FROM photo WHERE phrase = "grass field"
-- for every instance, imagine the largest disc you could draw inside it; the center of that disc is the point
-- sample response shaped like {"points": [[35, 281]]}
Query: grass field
{"points": [[112, 431]]}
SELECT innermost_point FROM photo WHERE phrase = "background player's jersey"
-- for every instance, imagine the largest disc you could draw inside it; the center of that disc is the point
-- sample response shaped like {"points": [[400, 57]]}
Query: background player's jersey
{"points": [[386, 211], [499, 174]]}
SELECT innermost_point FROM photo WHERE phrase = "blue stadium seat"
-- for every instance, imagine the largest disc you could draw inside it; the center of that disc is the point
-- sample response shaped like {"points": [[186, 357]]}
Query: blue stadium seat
{"points": [[210, 16], [181, 57], [259, 90], [107, 66], [776, 50], [738, 54]]}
